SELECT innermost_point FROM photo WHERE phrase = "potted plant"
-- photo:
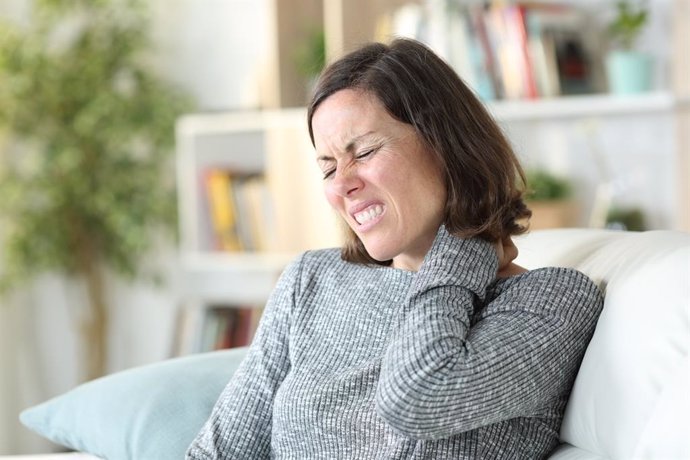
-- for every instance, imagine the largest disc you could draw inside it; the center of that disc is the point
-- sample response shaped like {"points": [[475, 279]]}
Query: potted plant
{"points": [[626, 218], [85, 174], [549, 197], [629, 70]]}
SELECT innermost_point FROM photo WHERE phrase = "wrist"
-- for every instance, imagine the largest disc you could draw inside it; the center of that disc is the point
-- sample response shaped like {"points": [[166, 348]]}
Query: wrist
{"points": [[467, 262]]}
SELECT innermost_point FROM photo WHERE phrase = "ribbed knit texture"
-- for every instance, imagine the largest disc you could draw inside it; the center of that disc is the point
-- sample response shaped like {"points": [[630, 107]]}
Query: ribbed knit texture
{"points": [[361, 362]]}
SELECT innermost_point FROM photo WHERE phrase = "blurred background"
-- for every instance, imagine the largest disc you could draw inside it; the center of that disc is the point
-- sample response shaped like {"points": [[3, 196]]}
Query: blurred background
{"points": [[156, 173]]}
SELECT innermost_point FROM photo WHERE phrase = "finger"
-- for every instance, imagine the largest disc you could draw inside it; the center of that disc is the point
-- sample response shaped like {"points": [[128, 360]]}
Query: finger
{"points": [[510, 251]]}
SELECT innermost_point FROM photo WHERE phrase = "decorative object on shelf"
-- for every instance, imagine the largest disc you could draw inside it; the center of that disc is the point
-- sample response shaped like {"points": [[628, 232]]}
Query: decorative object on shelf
{"points": [[86, 184], [629, 70], [550, 199], [630, 219]]}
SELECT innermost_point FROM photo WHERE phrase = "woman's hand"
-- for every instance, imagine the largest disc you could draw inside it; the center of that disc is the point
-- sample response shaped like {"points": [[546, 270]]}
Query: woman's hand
{"points": [[507, 252]]}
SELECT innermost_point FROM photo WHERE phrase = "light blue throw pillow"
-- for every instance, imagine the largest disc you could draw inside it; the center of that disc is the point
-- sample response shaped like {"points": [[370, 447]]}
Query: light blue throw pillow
{"points": [[150, 412]]}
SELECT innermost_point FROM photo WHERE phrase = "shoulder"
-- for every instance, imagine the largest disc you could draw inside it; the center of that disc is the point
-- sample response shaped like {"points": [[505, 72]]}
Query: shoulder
{"points": [[559, 292], [315, 265], [324, 270], [554, 278], [299, 275], [322, 257], [310, 261]]}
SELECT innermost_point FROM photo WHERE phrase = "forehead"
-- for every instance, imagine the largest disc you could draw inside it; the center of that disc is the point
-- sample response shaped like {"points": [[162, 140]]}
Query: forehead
{"points": [[349, 115]]}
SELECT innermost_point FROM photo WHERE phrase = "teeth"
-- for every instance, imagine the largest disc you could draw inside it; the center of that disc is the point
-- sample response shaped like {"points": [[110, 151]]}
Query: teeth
{"points": [[368, 214]]}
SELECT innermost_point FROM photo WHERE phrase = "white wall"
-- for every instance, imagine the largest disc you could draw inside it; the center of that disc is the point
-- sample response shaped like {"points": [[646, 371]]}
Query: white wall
{"points": [[217, 49]]}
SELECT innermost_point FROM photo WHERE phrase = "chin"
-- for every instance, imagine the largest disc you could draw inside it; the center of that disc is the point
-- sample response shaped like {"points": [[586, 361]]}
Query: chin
{"points": [[379, 253]]}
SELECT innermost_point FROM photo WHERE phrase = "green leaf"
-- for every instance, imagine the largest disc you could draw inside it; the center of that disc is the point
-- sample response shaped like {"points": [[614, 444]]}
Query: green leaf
{"points": [[91, 129]]}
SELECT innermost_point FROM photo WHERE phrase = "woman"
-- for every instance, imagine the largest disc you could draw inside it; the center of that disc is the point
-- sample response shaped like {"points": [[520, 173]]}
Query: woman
{"points": [[420, 338]]}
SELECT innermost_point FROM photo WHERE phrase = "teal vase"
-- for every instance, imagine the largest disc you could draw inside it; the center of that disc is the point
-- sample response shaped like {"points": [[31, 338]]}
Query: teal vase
{"points": [[629, 72]]}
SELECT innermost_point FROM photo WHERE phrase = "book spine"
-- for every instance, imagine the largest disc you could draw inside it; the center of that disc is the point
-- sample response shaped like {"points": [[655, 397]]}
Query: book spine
{"points": [[222, 210]]}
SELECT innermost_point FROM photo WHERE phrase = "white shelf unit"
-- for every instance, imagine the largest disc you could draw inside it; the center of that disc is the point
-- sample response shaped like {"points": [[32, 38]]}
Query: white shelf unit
{"points": [[593, 105], [237, 142], [242, 279]]}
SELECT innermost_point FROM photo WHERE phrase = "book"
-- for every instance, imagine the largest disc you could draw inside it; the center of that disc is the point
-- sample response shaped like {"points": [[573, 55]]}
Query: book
{"points": [[239, 210], [461, 53], [188, 324], [517, 26], [543, 57], [489, 85], [228, 326], [254, 212], [225, 331], [222, 210]]}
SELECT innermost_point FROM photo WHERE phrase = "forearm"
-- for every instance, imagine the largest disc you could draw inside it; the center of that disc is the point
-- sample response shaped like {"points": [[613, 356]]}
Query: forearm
{"points": [[239, 424], [420, 370], [442, 375]]}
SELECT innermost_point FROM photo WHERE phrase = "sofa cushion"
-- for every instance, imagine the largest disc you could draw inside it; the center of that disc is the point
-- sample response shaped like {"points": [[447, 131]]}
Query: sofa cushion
{"points": [[630, 398], [568, 452], [149, 412]]}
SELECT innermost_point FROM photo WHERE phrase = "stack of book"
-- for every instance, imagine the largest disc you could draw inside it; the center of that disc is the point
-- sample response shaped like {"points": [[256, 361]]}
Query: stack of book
{"points": [[229, 326], [215, 327], [238, 210], [508, 50]]}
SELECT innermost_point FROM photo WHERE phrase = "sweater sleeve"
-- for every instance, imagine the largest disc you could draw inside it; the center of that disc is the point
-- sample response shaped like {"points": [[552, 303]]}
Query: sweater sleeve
{"points": [[440, 376], [239, 426]]}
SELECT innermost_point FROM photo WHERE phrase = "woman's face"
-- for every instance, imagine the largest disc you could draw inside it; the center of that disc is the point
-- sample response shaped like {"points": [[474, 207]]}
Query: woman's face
{"points": [[379, 176]]}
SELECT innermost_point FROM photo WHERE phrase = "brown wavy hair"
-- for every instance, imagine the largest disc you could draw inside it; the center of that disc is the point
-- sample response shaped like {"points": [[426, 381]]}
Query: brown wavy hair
{"points": [[484, 180]]}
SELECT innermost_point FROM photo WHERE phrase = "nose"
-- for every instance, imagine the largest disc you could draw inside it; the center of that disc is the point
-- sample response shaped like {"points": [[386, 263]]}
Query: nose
{"points": [[347, 182]]}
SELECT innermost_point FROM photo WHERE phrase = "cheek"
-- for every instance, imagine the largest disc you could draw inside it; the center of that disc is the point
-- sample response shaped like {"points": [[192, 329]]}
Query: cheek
{"points": [[331, 196]]}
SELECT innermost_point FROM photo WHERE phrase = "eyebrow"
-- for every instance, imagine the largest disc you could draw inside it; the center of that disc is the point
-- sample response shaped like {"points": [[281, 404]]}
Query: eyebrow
{"points": [[349, 147]]}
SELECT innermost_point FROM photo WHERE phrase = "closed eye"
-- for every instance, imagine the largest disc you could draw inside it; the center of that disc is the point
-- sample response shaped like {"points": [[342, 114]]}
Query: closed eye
{"points": [[366, 153], [328, 173]]}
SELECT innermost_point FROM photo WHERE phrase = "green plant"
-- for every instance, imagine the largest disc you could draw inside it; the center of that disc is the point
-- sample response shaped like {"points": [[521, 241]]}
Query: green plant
{"points": [[310, 55], [632, 219], [628, 23], [84, 175], [544, 186]]}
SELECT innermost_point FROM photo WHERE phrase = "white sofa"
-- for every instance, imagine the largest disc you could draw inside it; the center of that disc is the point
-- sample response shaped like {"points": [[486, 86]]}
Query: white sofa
{"points": [[631, 397]]}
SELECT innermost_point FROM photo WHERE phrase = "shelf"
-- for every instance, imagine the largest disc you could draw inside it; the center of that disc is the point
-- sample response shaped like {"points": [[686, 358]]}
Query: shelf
{"points": [[237, 121], [582, 106], [244, 278]]}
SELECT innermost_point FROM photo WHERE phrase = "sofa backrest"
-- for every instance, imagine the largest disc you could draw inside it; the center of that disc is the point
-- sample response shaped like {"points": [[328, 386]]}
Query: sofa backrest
{"points": [[631, 396]]}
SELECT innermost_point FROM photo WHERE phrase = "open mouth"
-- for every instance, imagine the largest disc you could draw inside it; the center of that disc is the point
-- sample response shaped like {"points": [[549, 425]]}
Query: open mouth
{"points": [[368, 214]]}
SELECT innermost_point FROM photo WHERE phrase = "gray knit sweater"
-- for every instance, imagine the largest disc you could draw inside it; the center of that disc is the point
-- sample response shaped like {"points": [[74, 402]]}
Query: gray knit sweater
{"points": [[362, 362]]}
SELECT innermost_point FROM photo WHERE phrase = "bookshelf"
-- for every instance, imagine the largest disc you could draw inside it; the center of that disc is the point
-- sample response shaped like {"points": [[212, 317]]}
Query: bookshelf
{"points": [[225, 145]]}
